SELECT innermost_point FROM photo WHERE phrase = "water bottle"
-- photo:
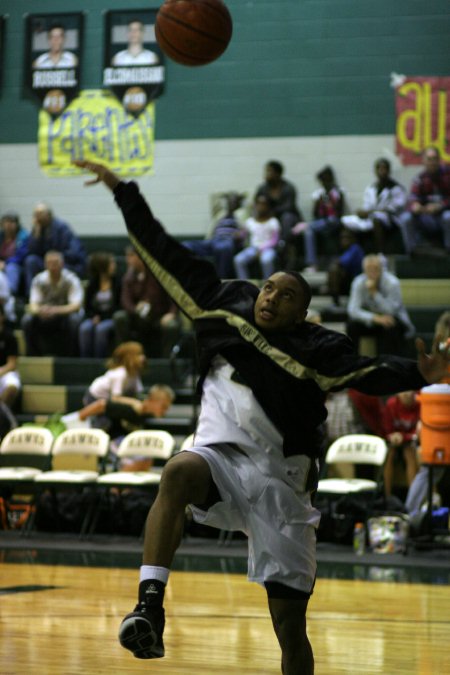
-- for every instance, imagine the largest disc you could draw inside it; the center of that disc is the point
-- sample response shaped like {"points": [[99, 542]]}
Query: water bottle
{"points": [[359, 539]]}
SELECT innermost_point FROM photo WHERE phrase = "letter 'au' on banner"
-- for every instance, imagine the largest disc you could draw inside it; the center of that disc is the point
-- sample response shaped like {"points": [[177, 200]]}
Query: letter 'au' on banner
{"points": [[423, 117], [96, 126]]}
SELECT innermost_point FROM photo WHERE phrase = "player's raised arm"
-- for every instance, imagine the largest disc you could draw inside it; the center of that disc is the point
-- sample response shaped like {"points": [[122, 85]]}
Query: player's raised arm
{"points": [[434, 366], [102, 174], [190, 281]]}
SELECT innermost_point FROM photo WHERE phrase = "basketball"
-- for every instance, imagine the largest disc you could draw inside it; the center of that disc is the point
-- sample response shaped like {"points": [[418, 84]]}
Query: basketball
{"points": [[193, 32]]}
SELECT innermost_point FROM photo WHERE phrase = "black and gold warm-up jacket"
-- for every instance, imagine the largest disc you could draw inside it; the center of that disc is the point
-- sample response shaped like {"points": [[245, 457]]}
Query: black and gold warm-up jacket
{"points": [[289, 373]]}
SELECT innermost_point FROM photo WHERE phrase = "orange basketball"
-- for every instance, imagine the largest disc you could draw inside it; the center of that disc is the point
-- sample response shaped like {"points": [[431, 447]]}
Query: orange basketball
{"points": [[193, 32]]}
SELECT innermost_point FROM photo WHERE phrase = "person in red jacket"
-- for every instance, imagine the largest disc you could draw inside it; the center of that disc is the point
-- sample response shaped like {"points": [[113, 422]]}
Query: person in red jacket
{"points": [[401, 415]]}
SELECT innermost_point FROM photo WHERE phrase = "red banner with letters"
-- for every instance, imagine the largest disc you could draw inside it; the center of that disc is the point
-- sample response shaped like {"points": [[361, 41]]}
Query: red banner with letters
{"points": [[423, 117]]}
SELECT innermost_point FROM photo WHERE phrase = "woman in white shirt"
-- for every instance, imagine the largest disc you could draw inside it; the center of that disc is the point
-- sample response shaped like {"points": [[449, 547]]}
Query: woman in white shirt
{"points": [[123, 377]]}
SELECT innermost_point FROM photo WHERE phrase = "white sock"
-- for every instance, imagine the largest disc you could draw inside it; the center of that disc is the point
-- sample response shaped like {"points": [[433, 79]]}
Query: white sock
{"points": [[153, 572]]}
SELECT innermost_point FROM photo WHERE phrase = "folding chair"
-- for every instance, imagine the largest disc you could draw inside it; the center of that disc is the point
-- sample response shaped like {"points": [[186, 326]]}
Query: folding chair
{"points": [[153, 445], [344, 501], [354, 449], [24, 453], [83, 452]]}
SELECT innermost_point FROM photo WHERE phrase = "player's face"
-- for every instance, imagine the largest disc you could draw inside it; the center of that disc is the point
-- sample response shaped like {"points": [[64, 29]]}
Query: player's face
{"points": [[56, 39], [280, 305], [135, 33]]}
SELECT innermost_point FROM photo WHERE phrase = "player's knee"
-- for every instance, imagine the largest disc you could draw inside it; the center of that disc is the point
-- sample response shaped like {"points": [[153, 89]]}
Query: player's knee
{"points": [[187, 476]]}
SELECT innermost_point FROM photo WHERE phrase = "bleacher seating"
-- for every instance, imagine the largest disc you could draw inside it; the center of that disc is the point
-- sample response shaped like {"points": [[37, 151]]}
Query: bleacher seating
{"points": [[53, 385], [57, 384]]}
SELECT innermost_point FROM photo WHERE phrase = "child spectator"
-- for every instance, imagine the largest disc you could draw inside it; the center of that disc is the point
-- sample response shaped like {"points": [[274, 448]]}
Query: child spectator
{"points": [[264, 231], [401, 415]]}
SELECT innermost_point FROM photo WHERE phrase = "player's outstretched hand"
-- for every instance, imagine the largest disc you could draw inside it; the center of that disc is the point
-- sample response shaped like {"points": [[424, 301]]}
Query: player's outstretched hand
{"points": [[102, 174], [433, 366]]}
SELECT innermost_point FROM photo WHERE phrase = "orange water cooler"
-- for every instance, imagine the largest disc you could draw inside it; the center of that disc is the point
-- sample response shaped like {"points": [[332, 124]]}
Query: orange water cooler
{"points": [[435, 418]]}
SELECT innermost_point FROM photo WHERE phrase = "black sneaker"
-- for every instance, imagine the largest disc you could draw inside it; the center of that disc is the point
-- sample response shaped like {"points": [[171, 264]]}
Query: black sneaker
{"points": [[141, 632]]}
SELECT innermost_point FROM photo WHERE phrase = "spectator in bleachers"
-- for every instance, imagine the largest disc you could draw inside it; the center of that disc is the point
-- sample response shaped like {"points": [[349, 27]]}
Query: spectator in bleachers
{"points": [[52, 234], [148, 314], [54, 313], [226, 239], [7, 300], [120, 415], [369, 411], [428, 215], [376, 308], [284, 198], [344, 269], [400, 418], [383, 203], [328, 207], [263, 231], [126, 414], [13, 250], [122, 378], [10, 384], [102, 300]]}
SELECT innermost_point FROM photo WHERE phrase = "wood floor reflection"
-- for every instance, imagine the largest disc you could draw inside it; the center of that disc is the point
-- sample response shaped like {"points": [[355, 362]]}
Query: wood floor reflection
{"points": [[58, 620]]}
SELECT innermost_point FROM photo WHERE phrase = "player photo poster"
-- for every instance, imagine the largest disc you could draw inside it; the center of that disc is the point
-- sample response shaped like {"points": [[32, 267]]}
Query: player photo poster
{"points": [[53, 53], [133, 62]]}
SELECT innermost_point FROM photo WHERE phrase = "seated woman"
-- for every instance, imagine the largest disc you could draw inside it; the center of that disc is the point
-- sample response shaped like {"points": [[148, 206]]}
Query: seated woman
{"points": [[102, 299]]}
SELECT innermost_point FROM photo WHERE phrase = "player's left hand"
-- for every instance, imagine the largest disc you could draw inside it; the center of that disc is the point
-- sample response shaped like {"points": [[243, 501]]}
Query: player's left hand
{"points": [[433, 366], [102, 173]]}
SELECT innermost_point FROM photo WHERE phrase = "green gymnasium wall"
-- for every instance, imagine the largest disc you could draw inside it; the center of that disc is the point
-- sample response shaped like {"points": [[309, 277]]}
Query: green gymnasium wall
{"points": [[293, 68]]}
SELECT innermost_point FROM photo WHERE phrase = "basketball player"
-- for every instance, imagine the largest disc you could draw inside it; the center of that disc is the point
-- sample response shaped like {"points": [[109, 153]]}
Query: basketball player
{"points": [[265, 372]]}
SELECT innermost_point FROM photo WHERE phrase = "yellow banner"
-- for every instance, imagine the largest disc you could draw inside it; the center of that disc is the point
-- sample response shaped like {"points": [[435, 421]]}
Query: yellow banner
{"points": [[96, 126]]}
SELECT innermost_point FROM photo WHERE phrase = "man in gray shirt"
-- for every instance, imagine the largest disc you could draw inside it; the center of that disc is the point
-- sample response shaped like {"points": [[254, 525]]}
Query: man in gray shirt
{"points": [[54, 311], [376, 308]]}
